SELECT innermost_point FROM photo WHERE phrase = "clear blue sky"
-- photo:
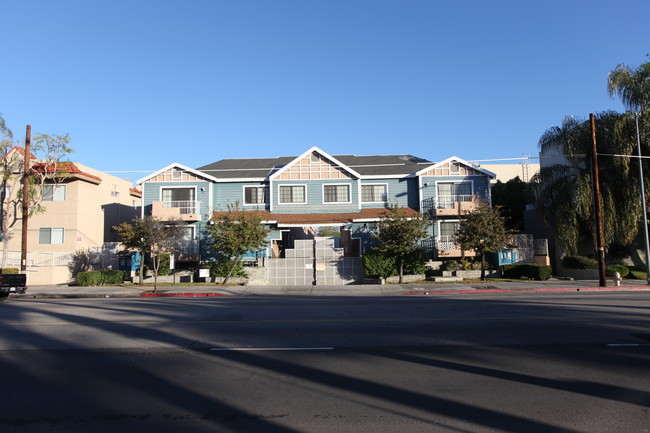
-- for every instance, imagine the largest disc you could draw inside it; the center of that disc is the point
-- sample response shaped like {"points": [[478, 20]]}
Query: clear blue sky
{"points": [[141, 84]]}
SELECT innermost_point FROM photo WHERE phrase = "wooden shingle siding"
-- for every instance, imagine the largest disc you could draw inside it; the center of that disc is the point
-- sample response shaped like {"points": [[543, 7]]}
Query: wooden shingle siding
{"points": [[175, 175], [314, 167], [452, 169]]}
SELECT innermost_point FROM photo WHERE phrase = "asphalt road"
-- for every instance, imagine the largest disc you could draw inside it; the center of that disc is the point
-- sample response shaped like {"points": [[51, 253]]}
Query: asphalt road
{"points": [[486, 363]]}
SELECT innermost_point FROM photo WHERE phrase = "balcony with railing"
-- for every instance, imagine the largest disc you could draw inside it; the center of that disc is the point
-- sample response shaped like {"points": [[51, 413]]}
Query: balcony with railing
{"points": [[184, 210], [446, 247], [451, 205]]}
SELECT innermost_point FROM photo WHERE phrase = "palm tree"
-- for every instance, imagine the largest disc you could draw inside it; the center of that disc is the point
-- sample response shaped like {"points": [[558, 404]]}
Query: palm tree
{"points": [[563, 192], [632, 86]]}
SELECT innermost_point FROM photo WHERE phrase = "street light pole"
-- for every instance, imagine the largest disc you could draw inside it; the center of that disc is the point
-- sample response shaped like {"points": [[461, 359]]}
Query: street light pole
{"points": [[645, 216]]}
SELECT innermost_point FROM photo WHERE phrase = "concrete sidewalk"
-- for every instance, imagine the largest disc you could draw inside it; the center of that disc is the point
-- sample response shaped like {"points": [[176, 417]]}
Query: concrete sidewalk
{"points": [[179, 290]]}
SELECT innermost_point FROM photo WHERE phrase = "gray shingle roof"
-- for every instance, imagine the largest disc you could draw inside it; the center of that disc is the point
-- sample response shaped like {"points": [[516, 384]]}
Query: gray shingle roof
{"points": [[261, 168]]}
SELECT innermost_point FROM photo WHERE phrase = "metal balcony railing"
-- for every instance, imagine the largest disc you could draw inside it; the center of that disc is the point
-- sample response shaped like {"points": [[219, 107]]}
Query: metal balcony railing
{"points": [[185, 206]]}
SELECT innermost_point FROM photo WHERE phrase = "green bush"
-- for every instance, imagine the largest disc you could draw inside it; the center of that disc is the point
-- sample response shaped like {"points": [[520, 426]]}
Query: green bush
{"points": [[621, 269], [579, 262], [89, 278], [415, 263], [112, 277], [164, 265], [97, 278], [377, 266], [9, 271], [451, 265], [221, 267], [527, 270]]}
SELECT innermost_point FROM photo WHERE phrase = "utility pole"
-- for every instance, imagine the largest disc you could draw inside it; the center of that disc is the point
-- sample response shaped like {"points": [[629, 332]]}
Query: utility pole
{"points": [[600, 241], [26, 158], [643, 205]]}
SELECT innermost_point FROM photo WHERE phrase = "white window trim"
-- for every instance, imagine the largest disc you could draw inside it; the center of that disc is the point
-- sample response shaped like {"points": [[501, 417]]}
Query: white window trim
{"points": [[254, 186], [349, 185], [438, 232], [280, 203], [457, 182], [50, 229], [177, 175], [160, 191], [190, 226], [373, 184], [55, 187]]}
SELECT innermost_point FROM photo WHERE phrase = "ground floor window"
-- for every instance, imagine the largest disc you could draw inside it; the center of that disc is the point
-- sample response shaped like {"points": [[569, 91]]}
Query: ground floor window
{"points": [[50, 235]]}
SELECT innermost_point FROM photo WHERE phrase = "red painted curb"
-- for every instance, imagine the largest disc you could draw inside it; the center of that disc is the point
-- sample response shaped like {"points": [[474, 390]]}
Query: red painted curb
{"points": [[176, 295], [545, 289]]}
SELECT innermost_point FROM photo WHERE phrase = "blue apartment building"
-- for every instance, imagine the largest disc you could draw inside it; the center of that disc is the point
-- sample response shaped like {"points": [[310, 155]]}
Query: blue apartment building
{"points": [[296, 196]]}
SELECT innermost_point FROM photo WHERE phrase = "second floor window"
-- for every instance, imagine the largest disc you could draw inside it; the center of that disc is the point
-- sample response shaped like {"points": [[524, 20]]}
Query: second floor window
{"points": [[54, 192], [373, 193], [254, 195], [50, 235], [292, 194], [336, 194], [177, 194]]}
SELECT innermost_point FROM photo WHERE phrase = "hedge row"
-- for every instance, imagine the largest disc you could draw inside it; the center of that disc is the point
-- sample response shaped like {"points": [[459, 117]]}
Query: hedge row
{"points": [[527, 270], [579, 262], [98, 278], [9, 271], [621, 269]]}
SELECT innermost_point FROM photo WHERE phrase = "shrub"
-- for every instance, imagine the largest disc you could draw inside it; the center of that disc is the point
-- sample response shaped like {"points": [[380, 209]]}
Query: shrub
{"points": [[377, 266], [112, 277], [164, 265], [415, 263], [621, 269], [96, 278], [527, 270], [450, 265], [221, 267], [89, 278], [9, 271], [579, 262]]}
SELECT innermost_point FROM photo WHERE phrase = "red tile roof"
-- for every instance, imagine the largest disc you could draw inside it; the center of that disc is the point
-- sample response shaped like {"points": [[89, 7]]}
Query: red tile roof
{"points": [[64, 168], [319, 218]]}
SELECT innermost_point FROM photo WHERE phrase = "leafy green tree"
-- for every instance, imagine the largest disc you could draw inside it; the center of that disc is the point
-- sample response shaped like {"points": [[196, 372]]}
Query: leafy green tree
{"points": [[235, 233], [512, 196], [483, 230], [153, 236], [399, 235], [564, 193], [46, 168]]}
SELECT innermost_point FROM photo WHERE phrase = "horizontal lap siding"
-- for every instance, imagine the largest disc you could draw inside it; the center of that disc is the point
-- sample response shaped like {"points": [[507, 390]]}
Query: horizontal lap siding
{"points": [[314, 195], [231, 193]]}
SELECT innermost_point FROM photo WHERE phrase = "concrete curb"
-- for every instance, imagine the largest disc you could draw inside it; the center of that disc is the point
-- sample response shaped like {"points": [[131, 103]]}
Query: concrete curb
{"points": [[532, 290]]}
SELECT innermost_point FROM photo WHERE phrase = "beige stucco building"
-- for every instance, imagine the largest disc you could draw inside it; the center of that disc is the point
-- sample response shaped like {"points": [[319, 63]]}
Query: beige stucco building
{"points": [[77, 224]]}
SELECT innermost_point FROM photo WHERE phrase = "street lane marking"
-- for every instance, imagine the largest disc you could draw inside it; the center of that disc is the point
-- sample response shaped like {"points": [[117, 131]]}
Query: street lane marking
{"points": [[345, 320], [628, 344], [241, 349]]}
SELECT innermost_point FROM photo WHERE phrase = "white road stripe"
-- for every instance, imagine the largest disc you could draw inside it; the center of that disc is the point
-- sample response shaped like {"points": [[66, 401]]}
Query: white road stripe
{"points": [[627, 344], [233, 349]]}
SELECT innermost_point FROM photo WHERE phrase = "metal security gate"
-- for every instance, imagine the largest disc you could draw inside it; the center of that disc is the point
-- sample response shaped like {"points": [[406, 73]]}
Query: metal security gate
{"points": [[315, 261]]}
